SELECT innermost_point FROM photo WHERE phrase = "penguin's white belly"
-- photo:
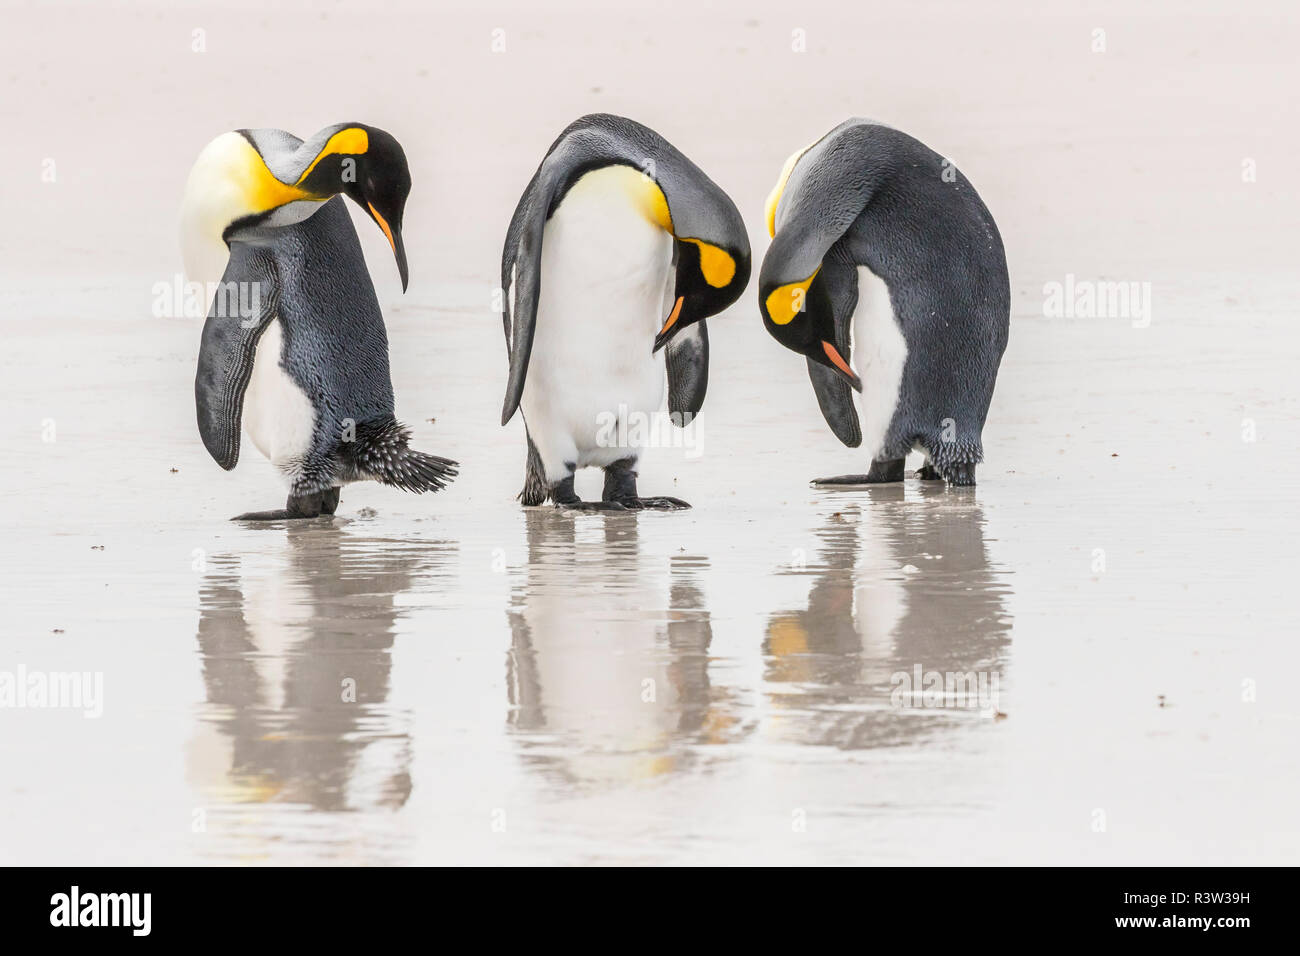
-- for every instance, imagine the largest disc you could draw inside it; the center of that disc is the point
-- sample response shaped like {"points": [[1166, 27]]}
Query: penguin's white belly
{"points": [[605, 274], [619, 735], [278, 416], [879, 354]]}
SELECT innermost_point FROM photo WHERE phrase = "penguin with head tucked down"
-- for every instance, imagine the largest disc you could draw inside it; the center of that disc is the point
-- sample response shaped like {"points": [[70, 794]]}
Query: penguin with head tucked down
{"points": [[294, 345], [619, 247], [887, 273]]}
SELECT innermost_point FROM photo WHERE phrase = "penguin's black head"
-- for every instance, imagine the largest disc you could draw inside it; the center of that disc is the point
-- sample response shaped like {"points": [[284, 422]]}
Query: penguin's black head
{"points": [[369, 166], [708, 279], [799, 315]]}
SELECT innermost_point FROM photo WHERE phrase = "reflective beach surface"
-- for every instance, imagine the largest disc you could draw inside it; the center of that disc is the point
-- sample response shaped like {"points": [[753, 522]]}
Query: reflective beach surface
{"points": [[1087, 658], [457, 679]]}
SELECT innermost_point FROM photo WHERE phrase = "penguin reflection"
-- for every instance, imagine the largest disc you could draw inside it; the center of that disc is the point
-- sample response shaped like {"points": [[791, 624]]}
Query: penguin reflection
{"points": [[899, 584], [604, 686], [281, 648]]}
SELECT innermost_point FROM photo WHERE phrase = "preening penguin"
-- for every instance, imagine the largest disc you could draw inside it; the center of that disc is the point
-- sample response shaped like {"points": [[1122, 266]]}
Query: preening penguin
{"points": [[619, 247], [294, 345], [887, 272]]}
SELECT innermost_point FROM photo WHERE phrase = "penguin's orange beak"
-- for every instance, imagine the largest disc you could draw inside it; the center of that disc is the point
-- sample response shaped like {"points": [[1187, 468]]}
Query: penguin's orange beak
{"points": [[841, 366], [395, 240], [666, 332]]}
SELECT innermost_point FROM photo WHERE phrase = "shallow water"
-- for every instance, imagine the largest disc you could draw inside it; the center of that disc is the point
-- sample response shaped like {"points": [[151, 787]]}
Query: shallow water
{"points": [[455, 679], [534, 685]]}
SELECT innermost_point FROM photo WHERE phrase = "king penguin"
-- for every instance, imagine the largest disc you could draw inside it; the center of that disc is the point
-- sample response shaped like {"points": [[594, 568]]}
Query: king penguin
{"points": [[619, 247], [887, 273], [294, 344]]}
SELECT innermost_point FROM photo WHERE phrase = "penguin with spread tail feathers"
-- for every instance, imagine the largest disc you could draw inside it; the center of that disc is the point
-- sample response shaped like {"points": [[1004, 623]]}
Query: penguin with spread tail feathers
{"points": [[887, 273], [294, 346], [619, 247]]}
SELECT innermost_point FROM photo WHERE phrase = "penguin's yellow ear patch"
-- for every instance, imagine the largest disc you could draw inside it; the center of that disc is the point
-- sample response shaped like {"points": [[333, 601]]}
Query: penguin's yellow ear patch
{"points": [[774, 197], [716, 265], [786, 301], [348, 142]]}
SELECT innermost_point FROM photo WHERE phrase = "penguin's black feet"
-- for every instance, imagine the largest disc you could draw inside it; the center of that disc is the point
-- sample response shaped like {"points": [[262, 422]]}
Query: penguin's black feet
{"points": [[298, 506], [281, 515], [927, 472], [591, 505], [657, 503], [564, 496], [620, 488], [881, 473], [961, 475]]}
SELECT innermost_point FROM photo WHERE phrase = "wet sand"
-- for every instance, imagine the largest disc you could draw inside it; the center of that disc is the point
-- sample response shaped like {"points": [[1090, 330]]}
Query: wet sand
{"points": [[711, 686]]}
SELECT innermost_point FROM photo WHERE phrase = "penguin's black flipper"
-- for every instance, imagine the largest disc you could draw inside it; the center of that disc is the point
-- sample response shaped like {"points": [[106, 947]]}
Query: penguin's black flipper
{"points": [[839, 281], [688, 372], [245, 304], [521, 274], [835, 398]]}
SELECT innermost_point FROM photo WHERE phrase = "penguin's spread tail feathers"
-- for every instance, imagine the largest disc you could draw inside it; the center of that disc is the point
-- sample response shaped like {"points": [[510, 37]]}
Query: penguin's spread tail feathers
{"points": [[379, 452], [534, 491]]}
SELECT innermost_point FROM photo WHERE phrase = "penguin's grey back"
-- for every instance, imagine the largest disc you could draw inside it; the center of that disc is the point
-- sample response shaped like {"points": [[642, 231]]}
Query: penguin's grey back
{"points": [[926, 233], [335, 345]]}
